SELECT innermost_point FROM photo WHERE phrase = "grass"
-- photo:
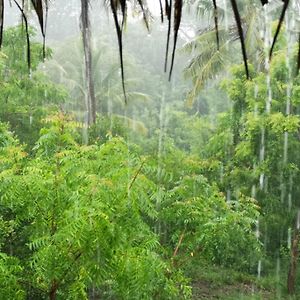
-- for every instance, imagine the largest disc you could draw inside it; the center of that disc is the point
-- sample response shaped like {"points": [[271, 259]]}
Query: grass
{"points": [[214, 282]]}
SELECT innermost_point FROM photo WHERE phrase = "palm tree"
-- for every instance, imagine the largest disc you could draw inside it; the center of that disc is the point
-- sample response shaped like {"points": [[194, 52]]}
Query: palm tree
{"points": [[86, 39], [209, 59], [172, 9], [66, 69]]}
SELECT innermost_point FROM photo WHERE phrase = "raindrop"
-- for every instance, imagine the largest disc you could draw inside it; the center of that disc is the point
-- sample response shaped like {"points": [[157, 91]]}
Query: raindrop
{"points": [[85, 138], [298, 219], [257, 232], [259, 269], [261, 181], [262, 157], [278, 273], [228, 195], [267, 43], [285, 147], [222, 173], [225, 15], [290, 201], [253, 191], [289, 241], [255, 113], [262, 147]]}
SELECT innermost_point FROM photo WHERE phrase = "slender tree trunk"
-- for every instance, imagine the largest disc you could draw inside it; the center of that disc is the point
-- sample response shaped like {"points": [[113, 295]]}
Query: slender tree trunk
{"points": [[86, 39], [53, 291], [294, 261]]}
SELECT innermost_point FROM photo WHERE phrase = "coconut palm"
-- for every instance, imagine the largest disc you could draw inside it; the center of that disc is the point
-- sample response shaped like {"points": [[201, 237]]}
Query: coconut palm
{"points": [[66, 69], [88, 61], [209, 59], [171, 8]]}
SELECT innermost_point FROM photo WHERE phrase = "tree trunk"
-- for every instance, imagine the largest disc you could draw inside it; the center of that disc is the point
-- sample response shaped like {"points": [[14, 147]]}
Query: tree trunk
{"points": [[293, 263], [53, 291], [87, 48]]}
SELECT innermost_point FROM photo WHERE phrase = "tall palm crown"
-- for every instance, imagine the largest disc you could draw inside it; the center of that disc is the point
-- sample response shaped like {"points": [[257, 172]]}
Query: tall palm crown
{"points": [[170, 9], [210, 58]]}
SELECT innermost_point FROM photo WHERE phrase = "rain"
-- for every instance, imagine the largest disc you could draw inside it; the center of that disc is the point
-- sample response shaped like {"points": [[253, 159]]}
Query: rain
{"points": [[149, 149]]}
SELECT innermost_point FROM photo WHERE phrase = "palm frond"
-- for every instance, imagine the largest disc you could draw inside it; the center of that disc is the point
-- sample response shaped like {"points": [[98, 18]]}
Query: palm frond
{"points": [[135, 125], [140, 2], [1, 20], [241, 34], [39, 10], [283, 12], [161, 11], [253, 40], [206, 66], [298, 60], [177, 21], [216, 22], [119, 25], [173, 8], [24, 18], [168, 8]]}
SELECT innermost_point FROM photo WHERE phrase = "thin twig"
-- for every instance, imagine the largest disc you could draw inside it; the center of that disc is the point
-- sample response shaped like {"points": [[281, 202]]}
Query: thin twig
{"points": [[179, 243], [136, 175]]}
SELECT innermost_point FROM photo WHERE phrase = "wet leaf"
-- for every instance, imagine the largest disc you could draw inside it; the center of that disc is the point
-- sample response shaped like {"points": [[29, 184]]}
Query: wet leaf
{"points": [[241, 34]]}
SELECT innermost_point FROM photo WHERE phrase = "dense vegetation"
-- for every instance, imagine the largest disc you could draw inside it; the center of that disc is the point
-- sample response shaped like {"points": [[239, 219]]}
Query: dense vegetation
{"points": [[157, 199]]}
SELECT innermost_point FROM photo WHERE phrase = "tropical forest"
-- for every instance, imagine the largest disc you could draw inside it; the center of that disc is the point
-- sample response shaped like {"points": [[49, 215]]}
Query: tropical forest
{"points": [[149, 149]]}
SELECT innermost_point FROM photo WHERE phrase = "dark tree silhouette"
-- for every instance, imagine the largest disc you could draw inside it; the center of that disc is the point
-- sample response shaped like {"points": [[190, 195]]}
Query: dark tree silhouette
{"points": [[88, 62], [119, 11]]}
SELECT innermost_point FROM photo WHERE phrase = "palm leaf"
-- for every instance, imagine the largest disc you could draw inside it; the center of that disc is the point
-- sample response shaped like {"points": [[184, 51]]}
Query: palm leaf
{"points": [[1, 20], [161, 11], [298, 60], [119, 11], [203, 69], [216, 22], [168, 8], [285, 6], [253, 40], [39, 10], [135, 125], [177, 21], [119, 29], [241, 34], [24, 18], [140, 2]]}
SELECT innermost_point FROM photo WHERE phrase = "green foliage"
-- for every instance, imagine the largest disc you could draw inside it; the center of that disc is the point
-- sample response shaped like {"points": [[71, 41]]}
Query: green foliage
{"points": [[118, 210], [219, 231], [26, 95], [10, 271], [88, 217], [256, 149], [83, 208]]}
